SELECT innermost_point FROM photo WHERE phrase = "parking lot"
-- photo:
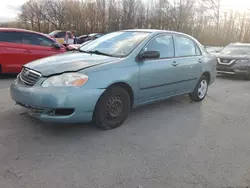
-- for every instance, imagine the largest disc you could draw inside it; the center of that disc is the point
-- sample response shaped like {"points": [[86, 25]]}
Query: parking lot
{"points": [[174, 143]]}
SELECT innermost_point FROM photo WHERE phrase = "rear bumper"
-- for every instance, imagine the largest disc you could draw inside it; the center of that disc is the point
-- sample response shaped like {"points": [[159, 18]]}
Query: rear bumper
{"points": [[42, 103]]}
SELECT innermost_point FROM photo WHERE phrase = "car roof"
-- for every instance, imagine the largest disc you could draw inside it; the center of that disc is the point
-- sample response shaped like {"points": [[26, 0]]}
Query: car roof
{"points": [[158, 31], [22, 30], [153, 31], [18, 30], [239, 44]]}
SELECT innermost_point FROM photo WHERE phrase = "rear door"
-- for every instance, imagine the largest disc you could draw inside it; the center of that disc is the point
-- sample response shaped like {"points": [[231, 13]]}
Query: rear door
{"points": [[12, 53], [188, 64]]}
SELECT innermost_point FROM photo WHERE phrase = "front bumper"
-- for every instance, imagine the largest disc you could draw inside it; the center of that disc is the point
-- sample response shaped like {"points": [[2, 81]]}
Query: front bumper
{"points": [[235, 69], [43, 102]]}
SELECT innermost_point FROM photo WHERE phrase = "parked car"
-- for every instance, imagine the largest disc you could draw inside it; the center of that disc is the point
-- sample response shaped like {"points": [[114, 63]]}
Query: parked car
{"points": [[85, 38], [214, 50], [81, 39], [18, 47], [63, 37], [72, 47], [110, 75], [234, 59]]}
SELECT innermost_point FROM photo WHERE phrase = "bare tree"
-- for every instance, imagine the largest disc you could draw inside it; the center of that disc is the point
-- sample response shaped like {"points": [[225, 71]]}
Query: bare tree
{"points": [[203, 19]]}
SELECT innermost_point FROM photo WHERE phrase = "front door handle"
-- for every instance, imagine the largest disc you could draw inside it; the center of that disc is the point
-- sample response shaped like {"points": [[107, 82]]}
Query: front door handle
{"points": [[175, 64], [200, 60]]}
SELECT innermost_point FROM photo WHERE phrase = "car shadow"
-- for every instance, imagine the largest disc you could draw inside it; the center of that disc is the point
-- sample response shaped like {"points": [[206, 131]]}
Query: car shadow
{"points": [[149, 113], [7, 76], [231, 77]]}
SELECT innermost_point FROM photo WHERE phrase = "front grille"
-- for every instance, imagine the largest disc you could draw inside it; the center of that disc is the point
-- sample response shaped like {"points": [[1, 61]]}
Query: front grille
{"points": [[29, 77], [224, 69]]}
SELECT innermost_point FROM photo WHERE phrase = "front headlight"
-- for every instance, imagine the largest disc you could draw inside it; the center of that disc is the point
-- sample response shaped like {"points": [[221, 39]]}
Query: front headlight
{"points": [[66, 79]]}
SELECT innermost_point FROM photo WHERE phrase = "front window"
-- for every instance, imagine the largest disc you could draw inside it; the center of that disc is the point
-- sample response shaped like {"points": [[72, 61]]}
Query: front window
{"points": [[118, 44], [164, 44], [34, 39], [236, 50]]}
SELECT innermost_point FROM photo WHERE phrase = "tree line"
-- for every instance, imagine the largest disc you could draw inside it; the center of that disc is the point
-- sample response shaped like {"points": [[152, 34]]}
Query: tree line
{"points": [[204, 19]]}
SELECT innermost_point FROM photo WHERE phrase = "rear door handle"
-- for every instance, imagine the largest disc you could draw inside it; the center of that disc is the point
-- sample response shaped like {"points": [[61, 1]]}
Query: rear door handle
{"points": [[200, 60], [175, 64], [27, 51]]}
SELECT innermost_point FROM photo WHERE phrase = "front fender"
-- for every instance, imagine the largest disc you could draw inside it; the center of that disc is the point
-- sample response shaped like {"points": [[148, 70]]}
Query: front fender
{"points": [[102, 79]]}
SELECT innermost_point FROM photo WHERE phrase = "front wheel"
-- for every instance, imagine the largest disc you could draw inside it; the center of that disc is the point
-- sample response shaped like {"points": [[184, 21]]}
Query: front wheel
{"points": [[112, 108], [200, 90]]}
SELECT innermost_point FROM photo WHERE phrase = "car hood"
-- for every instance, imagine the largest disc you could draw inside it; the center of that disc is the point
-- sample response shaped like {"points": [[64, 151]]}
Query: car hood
{"points": [[239, 57], [68, 62]]}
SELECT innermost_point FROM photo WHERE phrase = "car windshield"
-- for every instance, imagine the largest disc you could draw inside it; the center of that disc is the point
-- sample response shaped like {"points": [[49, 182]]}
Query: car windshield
{"points": [[53, 33], [236, 50], [117, 44], [213, 49], [92, 34]]}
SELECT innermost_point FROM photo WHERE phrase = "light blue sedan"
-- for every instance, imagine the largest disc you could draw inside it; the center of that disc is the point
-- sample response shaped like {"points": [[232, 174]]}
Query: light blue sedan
{"points": [[107, 77]]}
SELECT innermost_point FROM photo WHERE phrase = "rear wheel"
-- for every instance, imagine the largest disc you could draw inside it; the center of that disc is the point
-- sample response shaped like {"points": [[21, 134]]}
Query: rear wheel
{"points": [[247, 77], [112, 108], [200, 90]]}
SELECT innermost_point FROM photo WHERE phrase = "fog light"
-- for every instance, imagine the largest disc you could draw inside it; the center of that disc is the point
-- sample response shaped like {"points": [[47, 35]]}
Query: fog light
{"points": [[61, 112]]}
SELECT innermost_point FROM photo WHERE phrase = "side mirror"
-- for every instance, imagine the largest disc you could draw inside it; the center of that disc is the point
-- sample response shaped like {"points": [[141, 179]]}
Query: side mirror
{"points": [[150, 55], [56, 45]]}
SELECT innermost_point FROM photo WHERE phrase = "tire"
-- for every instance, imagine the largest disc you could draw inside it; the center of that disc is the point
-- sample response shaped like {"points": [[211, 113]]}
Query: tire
{"points": [[112, 108], [247, 77], [199, 94]]}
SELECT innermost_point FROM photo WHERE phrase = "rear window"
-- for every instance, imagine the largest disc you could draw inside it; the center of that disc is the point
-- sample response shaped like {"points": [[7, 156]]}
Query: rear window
{"points": [[13, 37]]}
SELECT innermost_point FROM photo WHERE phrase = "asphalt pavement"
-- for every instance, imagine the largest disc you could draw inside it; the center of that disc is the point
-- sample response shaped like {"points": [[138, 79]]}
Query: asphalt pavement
{"points": [[175, 143]]}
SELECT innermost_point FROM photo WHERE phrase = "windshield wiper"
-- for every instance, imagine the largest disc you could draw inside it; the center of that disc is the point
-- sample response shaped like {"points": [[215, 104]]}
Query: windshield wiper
{"points": [[98, 53], [79, 49]]}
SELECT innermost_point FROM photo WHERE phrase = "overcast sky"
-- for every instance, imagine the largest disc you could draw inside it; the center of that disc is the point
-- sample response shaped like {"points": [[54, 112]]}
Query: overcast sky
{"points": [[9, 9]]}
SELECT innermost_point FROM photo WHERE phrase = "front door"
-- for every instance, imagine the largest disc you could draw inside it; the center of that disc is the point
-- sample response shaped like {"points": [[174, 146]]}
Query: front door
{"points": [[157, 76]]}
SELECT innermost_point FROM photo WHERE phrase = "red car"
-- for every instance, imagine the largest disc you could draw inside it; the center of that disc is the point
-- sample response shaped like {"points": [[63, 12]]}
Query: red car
{"points": [[18, 47]]}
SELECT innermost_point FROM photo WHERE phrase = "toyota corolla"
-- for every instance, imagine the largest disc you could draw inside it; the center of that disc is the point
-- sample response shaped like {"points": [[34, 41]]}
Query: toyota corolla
{"points": [[107, 77]]}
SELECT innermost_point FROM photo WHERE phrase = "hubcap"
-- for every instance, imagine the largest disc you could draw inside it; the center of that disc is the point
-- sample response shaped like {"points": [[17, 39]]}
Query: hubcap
{"points": [[202, 90], [114, 108]]}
